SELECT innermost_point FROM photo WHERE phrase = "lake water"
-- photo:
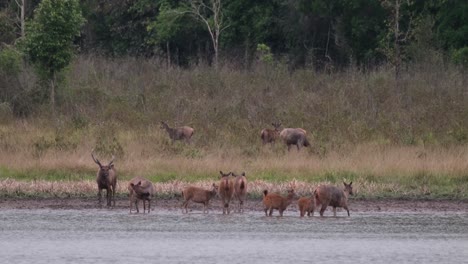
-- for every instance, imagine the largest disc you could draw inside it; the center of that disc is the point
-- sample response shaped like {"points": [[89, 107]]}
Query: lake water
{"points": [[168, 236]]}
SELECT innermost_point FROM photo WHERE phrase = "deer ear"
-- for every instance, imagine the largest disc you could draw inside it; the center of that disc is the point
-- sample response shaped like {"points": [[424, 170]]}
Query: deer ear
{"points": [[131, 184], [243, 173], [139, 183], [350, 183]]}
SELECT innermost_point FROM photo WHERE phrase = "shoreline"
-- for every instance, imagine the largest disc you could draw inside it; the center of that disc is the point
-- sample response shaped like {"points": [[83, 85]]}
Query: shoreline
{"points": [[357, 205]]}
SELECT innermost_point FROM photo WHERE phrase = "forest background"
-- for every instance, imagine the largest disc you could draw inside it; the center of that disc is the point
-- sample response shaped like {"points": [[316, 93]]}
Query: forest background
{"points": [[380, 86]]}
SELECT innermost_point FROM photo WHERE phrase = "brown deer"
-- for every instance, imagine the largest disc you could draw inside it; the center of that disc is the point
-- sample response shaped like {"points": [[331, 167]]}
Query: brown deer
{"points": [[329, 195], [106, 179], [198, 195], [294, 136], [225, 191], [275, 201], [140, 189], [240, 189], [179, 133], [306, 205], [270, 135]]}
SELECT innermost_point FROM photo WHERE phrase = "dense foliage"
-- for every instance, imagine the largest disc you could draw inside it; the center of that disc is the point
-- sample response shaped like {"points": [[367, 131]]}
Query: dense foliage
{"points": [[303, 32]]}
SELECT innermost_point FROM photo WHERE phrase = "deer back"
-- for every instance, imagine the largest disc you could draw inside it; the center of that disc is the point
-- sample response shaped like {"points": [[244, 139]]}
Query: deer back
{"points": [[226, 186]]}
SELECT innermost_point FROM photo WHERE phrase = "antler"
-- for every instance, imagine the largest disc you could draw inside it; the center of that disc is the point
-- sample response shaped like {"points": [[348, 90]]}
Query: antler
{"points": [[95, 160], [112, 161]]}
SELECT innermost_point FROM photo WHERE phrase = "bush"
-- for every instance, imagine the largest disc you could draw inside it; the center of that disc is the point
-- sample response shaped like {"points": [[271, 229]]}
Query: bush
{"points": [[460, 57]]}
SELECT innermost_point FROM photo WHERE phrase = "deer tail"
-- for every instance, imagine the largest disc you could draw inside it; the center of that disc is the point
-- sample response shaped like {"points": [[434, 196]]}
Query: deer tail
{"points": [[265, 192], [242, 185]]}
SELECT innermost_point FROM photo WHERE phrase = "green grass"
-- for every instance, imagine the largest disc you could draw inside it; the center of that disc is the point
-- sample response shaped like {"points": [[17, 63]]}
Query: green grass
{"points": [[421, 185]]}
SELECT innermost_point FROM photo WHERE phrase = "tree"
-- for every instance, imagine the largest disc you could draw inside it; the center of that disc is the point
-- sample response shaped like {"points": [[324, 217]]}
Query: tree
{"points": [[49, 38], [212, 16], [21, 5], [399, 34]]}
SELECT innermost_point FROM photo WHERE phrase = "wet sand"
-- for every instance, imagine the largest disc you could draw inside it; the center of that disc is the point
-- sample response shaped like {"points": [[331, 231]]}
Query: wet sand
{"points": [[385, 205]]}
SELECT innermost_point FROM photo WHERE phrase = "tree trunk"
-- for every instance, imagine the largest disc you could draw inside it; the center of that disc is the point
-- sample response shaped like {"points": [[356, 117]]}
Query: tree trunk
{"points": [[168, 51], [52, 92], [23, 34], [397, 42]]}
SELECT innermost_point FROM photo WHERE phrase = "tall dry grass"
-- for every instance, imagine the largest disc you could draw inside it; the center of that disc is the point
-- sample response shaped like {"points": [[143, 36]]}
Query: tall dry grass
{"points": [[410, 140]]}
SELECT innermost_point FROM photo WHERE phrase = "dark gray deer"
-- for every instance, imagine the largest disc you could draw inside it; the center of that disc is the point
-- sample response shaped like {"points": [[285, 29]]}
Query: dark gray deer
{"points": [[270, 135], [140, 189], [329, 195], [294, 136], [179, 133], [106, 179]]}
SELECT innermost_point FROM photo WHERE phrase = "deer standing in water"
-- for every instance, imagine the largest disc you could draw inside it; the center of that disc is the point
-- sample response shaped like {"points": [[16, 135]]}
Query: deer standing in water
{"points": [[198, 195], [240, 189], [140, 189], [106, 179], [275, 201], [329, 195], [225, 191]]}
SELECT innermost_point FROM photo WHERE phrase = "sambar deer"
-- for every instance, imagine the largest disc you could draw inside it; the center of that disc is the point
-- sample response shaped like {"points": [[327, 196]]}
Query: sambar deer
{"points": [[329, 195], [198, 195], [225, 191], [179, 133], [106, 179], [275, 201], [294, 136], [270, 135], [240, 189], [140, 189]]}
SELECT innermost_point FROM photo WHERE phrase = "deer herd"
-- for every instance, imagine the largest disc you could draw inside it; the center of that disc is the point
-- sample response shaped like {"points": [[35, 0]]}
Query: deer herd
{"points": [[231, 187]]}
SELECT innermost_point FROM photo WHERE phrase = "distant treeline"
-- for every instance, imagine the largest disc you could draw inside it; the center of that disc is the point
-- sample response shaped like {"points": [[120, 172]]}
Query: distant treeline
{"points": [[322, 34]]}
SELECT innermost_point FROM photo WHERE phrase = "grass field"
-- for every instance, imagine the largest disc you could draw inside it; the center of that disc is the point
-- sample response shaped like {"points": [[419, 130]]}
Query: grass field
{"points": [[409, 141], [377, 171]]}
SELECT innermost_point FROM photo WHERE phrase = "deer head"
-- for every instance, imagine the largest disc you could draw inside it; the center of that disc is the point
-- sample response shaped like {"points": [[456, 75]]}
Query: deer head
{"points": [[103, 169], [348, 188]]}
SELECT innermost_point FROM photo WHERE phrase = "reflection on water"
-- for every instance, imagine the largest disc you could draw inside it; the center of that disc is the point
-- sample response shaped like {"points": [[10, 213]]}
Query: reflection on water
{"points": [[114, 236]]}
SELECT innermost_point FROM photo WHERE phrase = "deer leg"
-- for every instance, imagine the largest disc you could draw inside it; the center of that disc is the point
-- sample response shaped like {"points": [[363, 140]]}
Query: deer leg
{"points": [[334, 211], [136, 206], [241, 207], [346, 208], [108, 196], [113, 195], [271, 211], [99, 196], [266, 211], [131, 202], [322, 210], [184, 206]]}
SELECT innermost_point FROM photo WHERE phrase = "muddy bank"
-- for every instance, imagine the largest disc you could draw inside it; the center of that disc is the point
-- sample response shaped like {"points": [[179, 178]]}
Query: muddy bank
{"points": [[387, 205]]}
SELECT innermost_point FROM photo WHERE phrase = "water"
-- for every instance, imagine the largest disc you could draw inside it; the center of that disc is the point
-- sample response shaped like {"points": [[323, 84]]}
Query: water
{"points": [[168, 236]]}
